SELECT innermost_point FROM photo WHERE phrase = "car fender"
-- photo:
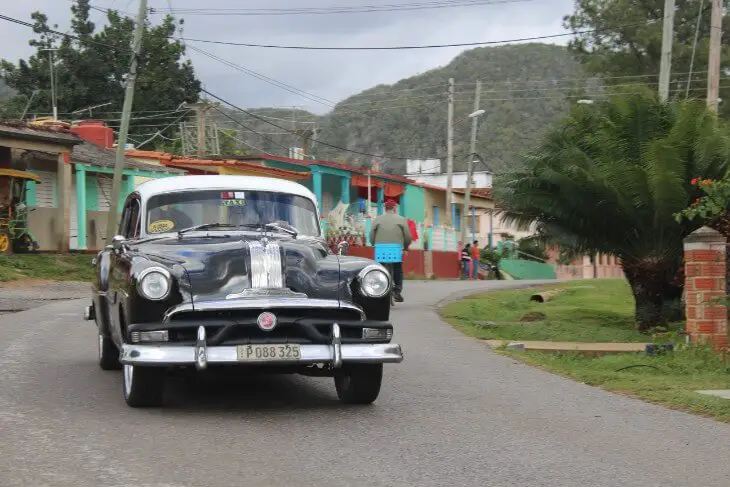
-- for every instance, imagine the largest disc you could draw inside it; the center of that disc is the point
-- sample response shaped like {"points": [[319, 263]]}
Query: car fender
{"points": [[101, 285]]}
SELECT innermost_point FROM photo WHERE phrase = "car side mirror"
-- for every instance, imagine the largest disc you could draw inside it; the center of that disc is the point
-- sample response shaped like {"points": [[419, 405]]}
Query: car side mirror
{"points": [[118, 242], [343, 247]]}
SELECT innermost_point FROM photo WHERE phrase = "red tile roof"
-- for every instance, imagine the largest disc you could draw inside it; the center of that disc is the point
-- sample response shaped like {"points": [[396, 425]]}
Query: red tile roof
{"points": [[332, 164], [172, 160], [270, 171]]}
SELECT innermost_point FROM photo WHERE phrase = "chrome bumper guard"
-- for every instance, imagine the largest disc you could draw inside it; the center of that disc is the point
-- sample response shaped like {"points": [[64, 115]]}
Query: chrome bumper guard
{"points": [[201, 354]]}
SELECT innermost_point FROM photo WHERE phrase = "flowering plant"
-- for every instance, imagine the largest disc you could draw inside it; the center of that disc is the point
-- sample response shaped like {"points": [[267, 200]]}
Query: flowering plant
{"points": [[352, 231], [713, 204]]}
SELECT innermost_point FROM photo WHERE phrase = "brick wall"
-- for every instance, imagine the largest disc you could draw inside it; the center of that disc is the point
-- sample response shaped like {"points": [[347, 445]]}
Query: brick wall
{"points": [[705, 267]]}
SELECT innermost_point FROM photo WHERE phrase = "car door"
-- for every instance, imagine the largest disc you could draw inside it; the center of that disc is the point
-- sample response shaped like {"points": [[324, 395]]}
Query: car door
{"points": [[120, 279]]}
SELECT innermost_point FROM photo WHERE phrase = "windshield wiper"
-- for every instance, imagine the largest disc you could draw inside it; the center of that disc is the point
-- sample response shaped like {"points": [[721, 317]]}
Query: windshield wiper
{"points": [[291, 231], [205, 226]]}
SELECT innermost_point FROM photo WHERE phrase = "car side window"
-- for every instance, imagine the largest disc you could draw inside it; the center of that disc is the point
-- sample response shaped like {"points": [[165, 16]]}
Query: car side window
{"points": [[132, 228], [130, 224]]}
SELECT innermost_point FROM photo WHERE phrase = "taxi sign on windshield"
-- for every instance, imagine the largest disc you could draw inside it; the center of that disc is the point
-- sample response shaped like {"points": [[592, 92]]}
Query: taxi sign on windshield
{"points": [[233, 198]]}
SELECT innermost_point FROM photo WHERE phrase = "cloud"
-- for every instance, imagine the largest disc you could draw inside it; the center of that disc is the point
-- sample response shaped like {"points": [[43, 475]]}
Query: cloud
{"points": [[333, 75]]}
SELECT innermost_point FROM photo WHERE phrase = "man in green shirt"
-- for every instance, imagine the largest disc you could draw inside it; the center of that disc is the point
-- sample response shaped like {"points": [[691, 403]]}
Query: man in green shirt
{"points": [[392, 228]]}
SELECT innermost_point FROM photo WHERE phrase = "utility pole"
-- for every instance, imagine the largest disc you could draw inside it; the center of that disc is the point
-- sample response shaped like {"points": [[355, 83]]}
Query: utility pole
{"points": [[667, 40], [450, 153], [111, 224], [470, 162], [305, 135], [200, 110], [54, 102], [713, 69]]}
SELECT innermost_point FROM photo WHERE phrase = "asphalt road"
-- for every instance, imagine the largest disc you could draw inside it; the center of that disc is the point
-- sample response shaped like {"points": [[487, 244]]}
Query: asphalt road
{"points": [[451, 414]]}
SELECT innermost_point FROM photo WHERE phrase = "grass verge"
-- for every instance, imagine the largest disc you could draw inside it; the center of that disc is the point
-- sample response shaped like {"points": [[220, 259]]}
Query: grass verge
{"points": [[600, 313], [68, 267]]}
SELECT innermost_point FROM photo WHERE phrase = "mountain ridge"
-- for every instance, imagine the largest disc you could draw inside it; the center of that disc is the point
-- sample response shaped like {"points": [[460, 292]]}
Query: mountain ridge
{"points": [[525, 89]]}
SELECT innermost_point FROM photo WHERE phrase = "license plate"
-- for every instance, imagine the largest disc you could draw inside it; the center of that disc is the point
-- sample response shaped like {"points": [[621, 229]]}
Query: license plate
{"points": [[265, 353]]}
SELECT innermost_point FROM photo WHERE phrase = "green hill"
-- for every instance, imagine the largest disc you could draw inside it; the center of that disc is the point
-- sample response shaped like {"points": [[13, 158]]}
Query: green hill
{"points": [[525, 88]]}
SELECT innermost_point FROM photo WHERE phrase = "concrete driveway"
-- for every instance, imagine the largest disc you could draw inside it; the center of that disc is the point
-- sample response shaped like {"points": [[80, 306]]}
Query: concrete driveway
{"points": [[452, 414]]}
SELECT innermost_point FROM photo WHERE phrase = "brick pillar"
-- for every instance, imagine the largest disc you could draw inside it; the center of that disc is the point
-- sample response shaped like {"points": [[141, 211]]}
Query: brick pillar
{"points": [[705, 280]]}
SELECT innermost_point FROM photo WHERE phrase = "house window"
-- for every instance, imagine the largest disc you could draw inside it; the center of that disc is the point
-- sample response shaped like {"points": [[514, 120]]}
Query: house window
{"points": [[436, 216], [457, 218], [46, 191]]}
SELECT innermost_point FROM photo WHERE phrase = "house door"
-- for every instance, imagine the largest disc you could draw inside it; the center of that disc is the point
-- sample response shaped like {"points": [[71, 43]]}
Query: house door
{"points": [[73, 231]]}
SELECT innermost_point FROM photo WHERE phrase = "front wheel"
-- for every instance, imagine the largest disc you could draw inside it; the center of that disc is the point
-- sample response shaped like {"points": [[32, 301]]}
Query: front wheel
{"points": [[108, 354], [6, 246], [143, 386], [358, 383]]}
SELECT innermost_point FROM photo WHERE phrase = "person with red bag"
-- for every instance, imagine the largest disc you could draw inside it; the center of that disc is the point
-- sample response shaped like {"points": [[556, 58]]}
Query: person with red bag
{"points": [[392, 228]]}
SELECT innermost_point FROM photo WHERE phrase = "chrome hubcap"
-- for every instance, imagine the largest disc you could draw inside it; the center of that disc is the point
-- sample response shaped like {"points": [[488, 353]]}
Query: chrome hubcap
{"points": [[128, 378]]}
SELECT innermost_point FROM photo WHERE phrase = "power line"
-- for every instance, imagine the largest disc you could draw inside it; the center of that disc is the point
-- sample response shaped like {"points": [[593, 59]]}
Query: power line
{"points": [[159, 132], [272, 81], [344, 149], [399, 48], [70, 36], [237, 122], [333, 10], [244, 142]]}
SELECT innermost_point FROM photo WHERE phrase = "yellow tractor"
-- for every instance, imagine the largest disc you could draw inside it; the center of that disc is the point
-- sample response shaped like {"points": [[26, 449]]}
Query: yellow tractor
{"points": [[15, 235]]}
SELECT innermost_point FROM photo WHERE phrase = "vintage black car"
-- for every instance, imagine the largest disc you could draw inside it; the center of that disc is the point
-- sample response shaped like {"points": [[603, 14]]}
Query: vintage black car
{"points": [[215, 271]]}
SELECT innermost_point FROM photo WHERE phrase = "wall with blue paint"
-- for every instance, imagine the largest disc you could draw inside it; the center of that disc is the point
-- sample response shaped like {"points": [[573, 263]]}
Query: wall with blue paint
{"points": [[413, 202]]}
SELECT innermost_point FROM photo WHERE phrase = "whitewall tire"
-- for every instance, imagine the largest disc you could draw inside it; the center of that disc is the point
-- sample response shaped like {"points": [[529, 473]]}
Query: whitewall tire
{"points": [[143, 386]]}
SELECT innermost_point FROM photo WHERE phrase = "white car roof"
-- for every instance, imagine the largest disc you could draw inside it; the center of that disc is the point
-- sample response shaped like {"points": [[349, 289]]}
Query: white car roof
{"points": [[222, 182]]}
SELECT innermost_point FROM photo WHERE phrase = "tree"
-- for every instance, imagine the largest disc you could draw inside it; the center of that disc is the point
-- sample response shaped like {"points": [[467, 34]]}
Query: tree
{"points": [[622, 38], [610, 179], [91, 67], [230, 145]]}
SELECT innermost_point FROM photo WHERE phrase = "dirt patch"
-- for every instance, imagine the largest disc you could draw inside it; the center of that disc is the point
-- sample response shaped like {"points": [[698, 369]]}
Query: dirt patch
{"points": [[533, 316]]}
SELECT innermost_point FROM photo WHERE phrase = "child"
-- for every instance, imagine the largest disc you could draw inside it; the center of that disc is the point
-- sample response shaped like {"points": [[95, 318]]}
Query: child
{"points": [[466, 259]]}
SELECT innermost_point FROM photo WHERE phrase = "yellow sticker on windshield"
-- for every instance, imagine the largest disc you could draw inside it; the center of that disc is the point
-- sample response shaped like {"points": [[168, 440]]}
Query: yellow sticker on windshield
{"points": [[160, 226], [233, 202]]}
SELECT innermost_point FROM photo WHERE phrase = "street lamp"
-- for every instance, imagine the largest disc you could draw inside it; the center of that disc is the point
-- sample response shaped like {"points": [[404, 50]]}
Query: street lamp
{"points": [[470, 167], [594, 257]]}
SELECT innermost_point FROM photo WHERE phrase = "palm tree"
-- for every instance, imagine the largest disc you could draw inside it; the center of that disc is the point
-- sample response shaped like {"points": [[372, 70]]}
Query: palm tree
{"points": [[610, 178]]}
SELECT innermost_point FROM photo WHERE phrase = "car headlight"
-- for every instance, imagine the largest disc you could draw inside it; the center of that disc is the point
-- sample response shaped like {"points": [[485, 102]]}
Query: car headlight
{"points": [[154, 283], [374, 281]]}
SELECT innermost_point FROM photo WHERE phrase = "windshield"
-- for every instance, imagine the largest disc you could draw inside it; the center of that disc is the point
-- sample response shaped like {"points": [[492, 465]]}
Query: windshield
{"points": [[176, 211]]}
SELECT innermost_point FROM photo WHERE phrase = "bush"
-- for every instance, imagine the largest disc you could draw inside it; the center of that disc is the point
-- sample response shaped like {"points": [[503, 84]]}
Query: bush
{"points": [[490, 256], [530, 249]]}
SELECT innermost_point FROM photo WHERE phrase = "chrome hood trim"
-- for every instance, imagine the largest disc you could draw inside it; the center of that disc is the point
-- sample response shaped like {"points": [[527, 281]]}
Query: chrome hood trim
{"points": [[283, 292], [260, 303], [267, 270]]}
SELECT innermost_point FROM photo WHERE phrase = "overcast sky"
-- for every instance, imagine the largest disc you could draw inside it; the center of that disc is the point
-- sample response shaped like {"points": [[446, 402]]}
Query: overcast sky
{"points": [[333, 75]]}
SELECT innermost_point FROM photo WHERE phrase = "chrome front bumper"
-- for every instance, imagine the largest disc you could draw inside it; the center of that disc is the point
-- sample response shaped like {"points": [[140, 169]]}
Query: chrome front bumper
{"points": [[201, 354]]}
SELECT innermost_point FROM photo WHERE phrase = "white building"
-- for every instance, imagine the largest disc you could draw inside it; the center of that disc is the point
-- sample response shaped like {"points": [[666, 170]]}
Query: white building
{"points": [[428, 171]]}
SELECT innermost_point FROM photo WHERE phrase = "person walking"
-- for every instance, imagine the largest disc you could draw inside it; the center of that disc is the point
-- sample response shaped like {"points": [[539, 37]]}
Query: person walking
{"points": [[466, 259], [475, 255], [393, 229]]}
